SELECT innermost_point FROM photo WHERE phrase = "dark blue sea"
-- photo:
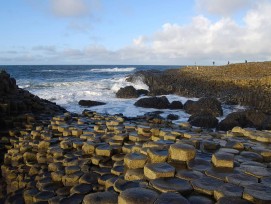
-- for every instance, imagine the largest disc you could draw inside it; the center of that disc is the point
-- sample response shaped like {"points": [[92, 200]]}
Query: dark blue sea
{"points": [[67, 84]]}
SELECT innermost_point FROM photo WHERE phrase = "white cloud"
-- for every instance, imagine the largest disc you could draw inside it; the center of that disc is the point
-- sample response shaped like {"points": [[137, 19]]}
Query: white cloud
{"points": [[72, 8], [202, 40], [222, 7]]}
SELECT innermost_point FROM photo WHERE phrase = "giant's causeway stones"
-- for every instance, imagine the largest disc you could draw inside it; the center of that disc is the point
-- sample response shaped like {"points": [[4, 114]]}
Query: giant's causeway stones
{"points": [[101, 158], [102, 162]]}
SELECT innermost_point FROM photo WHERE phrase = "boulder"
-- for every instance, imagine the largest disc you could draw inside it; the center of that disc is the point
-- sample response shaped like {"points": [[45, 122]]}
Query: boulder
{"points": [[176, 105], [127, 92], [153, 102], [203, 119], [247, 118], [90, 103], [172, 117], [207, 105]]}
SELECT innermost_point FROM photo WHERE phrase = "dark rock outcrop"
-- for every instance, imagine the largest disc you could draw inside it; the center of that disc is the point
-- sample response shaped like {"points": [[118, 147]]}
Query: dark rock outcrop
{"points": [[89, 103], [204, 120], [14, 102], [176, 105], [172, 117], [153, 102], [247, 84], [248, 118], [206, 105], [130, 92], [127, 92], [159, 103]]}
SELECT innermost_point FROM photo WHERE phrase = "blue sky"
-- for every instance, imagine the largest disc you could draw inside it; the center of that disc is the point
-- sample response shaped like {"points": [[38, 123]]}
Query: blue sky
{"points": [[134, 31]]}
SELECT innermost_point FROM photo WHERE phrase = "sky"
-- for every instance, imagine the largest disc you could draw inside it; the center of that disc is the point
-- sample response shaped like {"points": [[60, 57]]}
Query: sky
{"points": [[156, 32]]}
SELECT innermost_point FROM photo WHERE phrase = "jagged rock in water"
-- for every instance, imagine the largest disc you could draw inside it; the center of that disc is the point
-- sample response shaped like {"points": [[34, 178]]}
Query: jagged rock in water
{"points": [[89, 103], [153, 102]]}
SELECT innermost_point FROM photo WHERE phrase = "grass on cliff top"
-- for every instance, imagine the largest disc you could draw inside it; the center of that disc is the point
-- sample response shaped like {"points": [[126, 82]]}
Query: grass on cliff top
{"points": [[240, 71]]}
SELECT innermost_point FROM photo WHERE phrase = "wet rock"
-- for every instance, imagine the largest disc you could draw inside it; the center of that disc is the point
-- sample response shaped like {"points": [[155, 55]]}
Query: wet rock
{"points": [[224, 160], [172, 117], [158, 170], [121, 185], [228, 189], [172, 185], [206, 185], [248, 118], [74, 199], [174, 105], [206, 105], [221, 173], [104, 150], [157, 155], [230, 200], [106, 197], [130, 92], [257, 171], [127, 92], [199, 199], [241, 179], [173, 198], [153, 102], [189, 175], [89, 103], [182, 152], [135, 160], [134, 174], [203, 119], [137, 196], [199, 164], [81, 189], [43, 196], [257, 193]]}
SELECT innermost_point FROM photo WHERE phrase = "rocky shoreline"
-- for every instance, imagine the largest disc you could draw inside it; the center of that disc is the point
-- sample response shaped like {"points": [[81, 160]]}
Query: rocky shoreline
{"points": [[247, 84], [53, 156]]}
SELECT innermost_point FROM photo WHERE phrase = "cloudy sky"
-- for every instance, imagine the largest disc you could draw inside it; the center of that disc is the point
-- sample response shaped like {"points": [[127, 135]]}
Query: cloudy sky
{"points": [[173, 32]]}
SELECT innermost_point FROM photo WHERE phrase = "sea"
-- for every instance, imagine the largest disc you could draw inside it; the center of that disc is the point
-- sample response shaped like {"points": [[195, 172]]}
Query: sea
{"points": [[66, 85]]}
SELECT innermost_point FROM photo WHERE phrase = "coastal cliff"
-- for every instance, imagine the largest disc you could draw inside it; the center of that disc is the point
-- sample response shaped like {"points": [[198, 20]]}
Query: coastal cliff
{"points": [[247, 84], [17, 104]]}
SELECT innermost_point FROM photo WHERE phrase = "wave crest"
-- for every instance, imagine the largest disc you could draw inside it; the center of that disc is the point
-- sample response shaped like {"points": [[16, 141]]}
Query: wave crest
{"points": [[116, 69]]}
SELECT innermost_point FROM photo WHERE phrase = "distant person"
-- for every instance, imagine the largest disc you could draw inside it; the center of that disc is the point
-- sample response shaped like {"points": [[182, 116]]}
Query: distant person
{"points": [[245, 61], [228, 62], [213, 63]]}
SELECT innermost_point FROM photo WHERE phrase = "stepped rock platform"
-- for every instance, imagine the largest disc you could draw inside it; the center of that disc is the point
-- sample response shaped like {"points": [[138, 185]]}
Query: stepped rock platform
{"points": [[247, 84], [106, 159], [52, 156]]}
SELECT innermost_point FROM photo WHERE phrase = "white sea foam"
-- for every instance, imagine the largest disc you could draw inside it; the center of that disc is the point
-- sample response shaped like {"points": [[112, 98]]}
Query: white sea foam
{"points": [[116, 69], [68, 94]]}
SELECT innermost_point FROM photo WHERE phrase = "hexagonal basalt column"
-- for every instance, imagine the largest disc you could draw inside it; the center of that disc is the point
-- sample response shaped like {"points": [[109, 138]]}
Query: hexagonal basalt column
{"points": [[159, 170], [182, 152], [221, 159], [135, 160]]}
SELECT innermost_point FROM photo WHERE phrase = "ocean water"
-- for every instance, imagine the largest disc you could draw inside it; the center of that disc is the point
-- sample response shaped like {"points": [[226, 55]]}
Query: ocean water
{"points": [[67, 84]]}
